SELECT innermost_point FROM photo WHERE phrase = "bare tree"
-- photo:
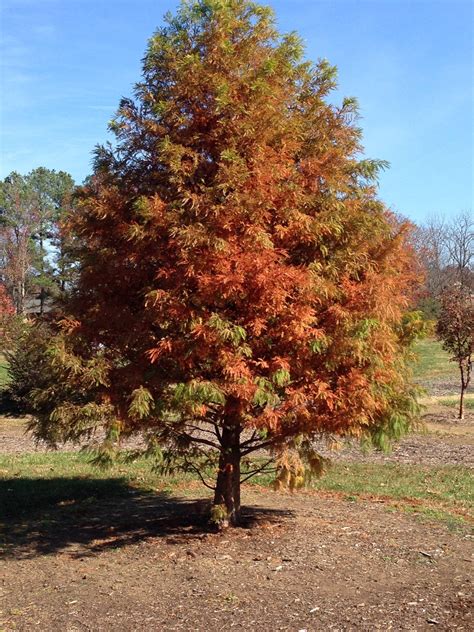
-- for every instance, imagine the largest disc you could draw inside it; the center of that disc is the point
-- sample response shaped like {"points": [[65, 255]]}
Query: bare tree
{"points": [[445, 250], [459, 245], [431, 247]]}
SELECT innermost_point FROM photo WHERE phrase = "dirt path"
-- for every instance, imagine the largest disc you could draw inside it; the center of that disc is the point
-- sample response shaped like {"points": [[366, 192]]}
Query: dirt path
{"points": [[307, 563]]}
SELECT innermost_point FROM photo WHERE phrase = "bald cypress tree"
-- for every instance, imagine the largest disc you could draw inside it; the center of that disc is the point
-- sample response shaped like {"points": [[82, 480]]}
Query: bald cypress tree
{"points": [[241, 282]]}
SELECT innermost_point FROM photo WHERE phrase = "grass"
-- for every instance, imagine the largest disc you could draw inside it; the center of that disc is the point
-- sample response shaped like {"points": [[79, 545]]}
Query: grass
{"points": [[447, 485], [433, 361], [453, 402], [446, 490], [38, 482], [3, 372], [43, 482]]}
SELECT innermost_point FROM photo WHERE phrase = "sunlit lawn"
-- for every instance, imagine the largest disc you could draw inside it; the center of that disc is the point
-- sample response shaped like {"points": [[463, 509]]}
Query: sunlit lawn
{"points": [[432, 361], [50, 481]]}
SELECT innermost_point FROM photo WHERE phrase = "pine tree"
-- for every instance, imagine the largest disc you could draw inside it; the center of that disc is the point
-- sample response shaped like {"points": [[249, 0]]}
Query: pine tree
{"points": [[240, 279], [52, 192], [19, 220], [34, 255]]}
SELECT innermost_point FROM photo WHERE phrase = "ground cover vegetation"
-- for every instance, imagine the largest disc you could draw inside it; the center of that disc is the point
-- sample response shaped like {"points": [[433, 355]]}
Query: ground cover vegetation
{"points": [[46, 485]]}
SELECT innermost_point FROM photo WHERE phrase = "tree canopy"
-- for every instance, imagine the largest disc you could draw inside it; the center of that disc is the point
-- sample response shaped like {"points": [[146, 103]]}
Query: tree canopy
{"points": [[33, 253], [242, 287]]}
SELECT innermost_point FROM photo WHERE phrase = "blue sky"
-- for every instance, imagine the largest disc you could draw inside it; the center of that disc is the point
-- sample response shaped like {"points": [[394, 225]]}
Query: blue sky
{"points": [[66, 63]]}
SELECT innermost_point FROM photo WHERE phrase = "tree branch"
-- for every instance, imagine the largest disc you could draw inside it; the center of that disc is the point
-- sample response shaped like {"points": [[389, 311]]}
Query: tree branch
{"points": [[200, 440], [251, 440], [196, 469], [261, 446], [199, 429], [196, 439], [260, 469]]}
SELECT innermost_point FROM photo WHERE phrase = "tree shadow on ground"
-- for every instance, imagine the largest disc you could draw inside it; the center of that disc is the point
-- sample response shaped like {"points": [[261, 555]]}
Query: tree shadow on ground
{"points": [[87, 516]]}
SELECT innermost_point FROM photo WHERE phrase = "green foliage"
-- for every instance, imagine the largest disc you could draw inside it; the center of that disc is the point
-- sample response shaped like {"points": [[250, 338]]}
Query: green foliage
{"points": [[4, 376], [400, 417], [281, 377], [298, 465], [364, 328], [59, 388], [227, 330], [413, 327], [218, 514], [27, 366], [370, 169], [429, 306], [141, 403], [265, 393], [197, 392], [319, 345]]}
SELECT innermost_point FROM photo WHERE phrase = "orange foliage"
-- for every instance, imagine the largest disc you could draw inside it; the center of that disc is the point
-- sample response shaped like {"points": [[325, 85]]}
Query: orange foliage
{"points": [[234, 237]]}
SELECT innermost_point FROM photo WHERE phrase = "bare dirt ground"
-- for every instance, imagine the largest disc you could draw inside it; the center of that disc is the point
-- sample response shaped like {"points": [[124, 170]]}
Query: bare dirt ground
{"points": [[310, 561], [304, 562]]}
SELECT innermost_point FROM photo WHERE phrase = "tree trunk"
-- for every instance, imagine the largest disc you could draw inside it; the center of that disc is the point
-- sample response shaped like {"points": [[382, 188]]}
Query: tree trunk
{"points": [[42, 292], [20, 298], [227, 493], [461, 404], [464, 384]]}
